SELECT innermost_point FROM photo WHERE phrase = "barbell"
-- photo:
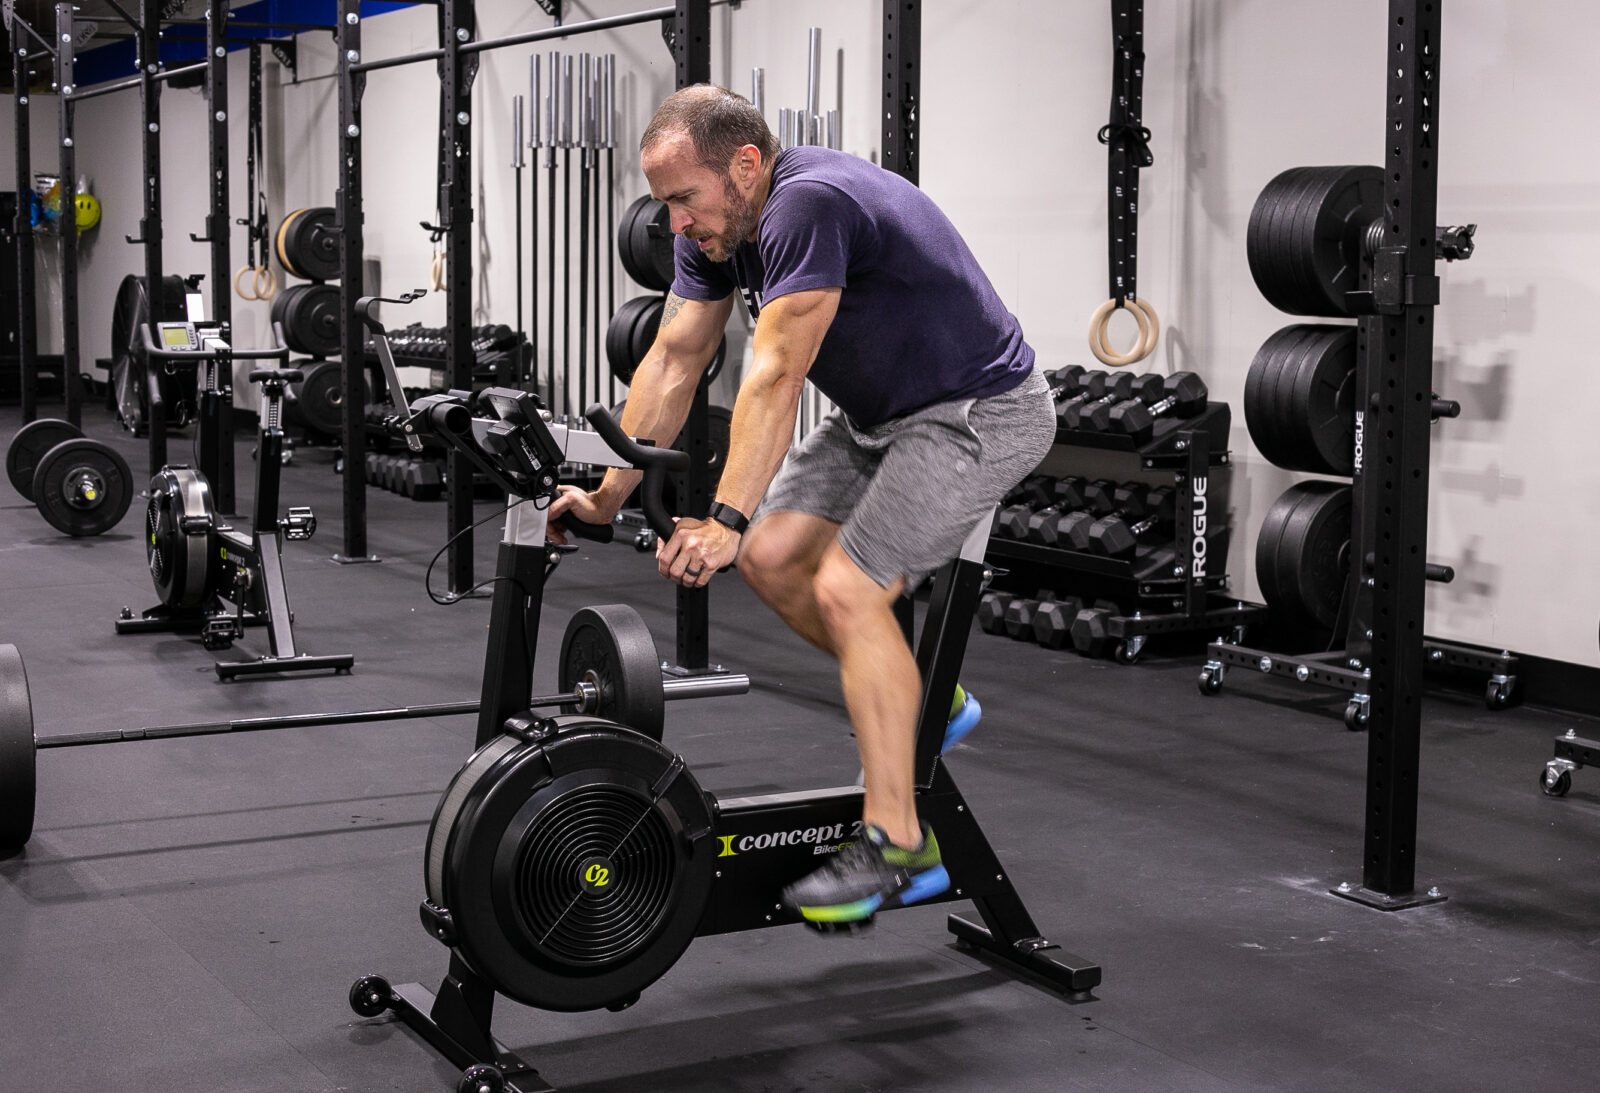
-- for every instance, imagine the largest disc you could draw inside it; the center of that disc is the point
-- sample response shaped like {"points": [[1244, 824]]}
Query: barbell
{"points": [[608, 669]]}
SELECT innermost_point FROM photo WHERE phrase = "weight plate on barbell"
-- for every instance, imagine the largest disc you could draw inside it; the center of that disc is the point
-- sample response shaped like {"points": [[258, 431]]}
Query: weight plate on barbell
{"points": [[29, 446], [82, 487], [18, 753], [610, 647], [1303, 553]]}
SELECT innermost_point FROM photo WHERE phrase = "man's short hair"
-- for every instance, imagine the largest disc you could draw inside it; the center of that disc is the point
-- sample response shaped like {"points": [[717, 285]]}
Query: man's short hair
{"points": [[719, 122]]}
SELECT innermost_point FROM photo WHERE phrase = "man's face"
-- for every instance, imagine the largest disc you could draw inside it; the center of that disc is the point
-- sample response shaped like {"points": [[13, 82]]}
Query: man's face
{"points": [[705, 206]]}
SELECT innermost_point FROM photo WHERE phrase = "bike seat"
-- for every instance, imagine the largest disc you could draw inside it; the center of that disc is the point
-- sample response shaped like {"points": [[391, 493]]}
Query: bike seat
{"points": [[287, 375]]}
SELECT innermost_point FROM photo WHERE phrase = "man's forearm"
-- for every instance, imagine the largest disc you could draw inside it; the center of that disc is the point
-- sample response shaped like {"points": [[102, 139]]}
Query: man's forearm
{"points": [[763, 427], [657, 406]]}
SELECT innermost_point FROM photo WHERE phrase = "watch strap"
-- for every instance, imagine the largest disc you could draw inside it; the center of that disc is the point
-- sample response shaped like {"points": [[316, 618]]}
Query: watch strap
{"points": [[728, 516]]}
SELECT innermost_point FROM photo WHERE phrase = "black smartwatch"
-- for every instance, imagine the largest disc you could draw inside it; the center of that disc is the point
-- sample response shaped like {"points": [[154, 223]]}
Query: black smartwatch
{"points": [[728, 517]]}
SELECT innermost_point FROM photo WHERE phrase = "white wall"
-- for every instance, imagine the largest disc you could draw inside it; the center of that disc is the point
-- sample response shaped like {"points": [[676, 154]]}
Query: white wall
{"points": [[1013, 94]]}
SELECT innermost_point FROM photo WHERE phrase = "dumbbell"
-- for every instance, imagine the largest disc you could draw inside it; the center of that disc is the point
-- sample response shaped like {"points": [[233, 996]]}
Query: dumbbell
{"points": [[1114, 537], [422, 480], [1020, 612], [992, 611], [1097, 387], [1069, 529], [1091, 633], [1185, 397], [1052, 622], [1096, 415], [1066, 382]]}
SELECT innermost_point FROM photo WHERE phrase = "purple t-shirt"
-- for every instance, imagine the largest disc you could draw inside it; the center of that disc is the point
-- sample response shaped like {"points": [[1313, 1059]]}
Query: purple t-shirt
{"points": [[918, 321]]}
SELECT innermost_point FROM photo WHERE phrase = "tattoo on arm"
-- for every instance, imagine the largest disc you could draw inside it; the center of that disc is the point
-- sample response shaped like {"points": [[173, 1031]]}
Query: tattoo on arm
{"points": [[673, 306]]}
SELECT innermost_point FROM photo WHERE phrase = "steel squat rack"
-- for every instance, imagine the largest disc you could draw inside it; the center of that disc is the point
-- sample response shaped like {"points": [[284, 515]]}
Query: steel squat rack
{"points": [[686, 27], [27, 45]]}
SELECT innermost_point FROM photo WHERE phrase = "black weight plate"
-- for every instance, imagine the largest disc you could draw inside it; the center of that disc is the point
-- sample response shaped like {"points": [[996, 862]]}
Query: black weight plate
{"points": [[1330, 240], [320, 397], [646, 324], [1322, 403], [180, 561], [83, 487], [719, 432], [611, 647], [620, 337], [1259, 384], [18, 754], [1263, 249], [644, 242], [1282, 400], [309, 246], [625, 232], [1302, 555], [29, 446], [310, 318]]}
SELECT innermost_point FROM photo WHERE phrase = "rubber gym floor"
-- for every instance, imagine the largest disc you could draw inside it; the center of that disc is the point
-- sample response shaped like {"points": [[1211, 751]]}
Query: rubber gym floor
{"points": [[190, 913]]}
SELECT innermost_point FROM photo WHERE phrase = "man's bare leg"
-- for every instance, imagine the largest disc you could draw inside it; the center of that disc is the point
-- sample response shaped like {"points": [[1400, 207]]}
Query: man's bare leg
{"points": [[779, 559]]}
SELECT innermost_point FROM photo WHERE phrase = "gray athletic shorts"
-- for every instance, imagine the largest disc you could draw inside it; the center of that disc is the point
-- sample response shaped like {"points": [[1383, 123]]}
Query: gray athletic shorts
{"points": [[908, 492]]}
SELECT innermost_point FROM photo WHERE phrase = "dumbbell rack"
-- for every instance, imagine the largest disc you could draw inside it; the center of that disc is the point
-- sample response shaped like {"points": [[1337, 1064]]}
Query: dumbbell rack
{"points": [[1186, 593]]}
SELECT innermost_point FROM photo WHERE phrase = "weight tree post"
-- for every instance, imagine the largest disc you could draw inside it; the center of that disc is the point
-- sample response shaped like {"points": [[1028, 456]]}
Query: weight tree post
{"points": [[456, 75], [218, 229], [352, 85], [691, 50], [68, 220], [1398, 416], [22, 227]]}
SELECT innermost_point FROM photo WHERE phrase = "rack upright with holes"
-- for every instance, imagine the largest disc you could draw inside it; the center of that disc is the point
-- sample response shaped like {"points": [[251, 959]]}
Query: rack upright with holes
{"points": [[1181, 588]]}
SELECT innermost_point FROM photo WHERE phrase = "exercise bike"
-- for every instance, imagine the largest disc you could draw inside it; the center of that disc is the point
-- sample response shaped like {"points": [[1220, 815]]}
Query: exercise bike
{"points": [[573, 858], [202, 566]]}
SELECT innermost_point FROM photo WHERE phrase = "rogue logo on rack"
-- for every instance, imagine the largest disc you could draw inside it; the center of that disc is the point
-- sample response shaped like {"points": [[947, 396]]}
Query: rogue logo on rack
{"points": [[1361, 436], [827, 839], [1198, 549]]}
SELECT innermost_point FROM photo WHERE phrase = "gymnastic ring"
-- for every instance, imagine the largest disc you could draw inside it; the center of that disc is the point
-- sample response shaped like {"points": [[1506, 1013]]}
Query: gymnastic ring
{"points": [[239, 289], [265, 284], [1149, 331], [437, 271]]}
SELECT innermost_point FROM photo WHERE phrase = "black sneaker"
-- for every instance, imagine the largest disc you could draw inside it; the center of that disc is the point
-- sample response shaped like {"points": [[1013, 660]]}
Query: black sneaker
{"points": [[869, 876]]}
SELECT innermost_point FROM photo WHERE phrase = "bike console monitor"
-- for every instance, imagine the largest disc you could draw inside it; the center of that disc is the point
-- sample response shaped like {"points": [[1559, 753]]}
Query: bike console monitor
{"points": [[177, 337]]}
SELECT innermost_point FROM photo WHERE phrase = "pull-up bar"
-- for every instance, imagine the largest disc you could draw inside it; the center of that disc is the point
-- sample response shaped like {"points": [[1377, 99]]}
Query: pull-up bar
{"points": [[608, 23], [132, 81]]}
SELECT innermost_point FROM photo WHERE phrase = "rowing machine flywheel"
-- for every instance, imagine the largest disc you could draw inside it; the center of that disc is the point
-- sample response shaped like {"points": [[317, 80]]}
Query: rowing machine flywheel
{"points": [[570, 864], [179, 521]]}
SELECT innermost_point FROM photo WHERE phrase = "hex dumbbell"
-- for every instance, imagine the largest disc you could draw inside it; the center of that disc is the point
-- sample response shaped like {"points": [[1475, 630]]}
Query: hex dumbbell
{"points": [[1098, 387], [1146, 388], [1115, 537], [1052, 622], [1185, 396]]}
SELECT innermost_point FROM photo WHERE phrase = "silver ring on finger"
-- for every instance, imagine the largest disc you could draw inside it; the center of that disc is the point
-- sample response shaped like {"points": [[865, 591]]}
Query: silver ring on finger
{"points": [[692, 572]]}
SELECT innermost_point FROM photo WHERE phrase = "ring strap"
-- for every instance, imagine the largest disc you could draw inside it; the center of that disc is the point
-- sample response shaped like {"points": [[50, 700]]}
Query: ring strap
{"points": [[1129, 146]]}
